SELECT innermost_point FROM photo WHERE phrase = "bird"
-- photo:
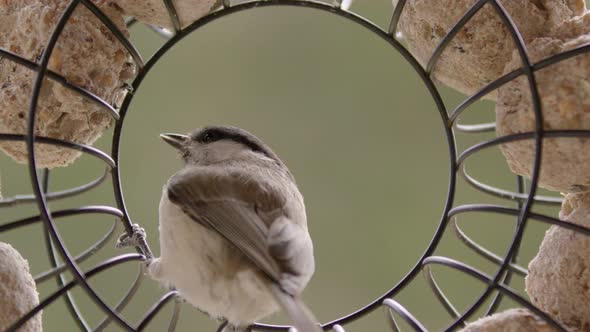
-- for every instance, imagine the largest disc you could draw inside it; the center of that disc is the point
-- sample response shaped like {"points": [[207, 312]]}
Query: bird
{"points": [[233, 232]]}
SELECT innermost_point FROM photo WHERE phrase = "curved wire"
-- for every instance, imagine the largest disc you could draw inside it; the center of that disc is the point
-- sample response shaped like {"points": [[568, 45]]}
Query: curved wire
{"points": [[482, 251], [462, 267], [164, 33], [440, 295], [514, 196], [551, 60], [395, 17], [476, 128], [443, 44], [110, 110], [507, 278], [58, 293], [497, 209], [119, 35], [175, 315], [506, 194], [60, 280], [125, 299], [392, 305], [57, 195], [61, 214], [37, 190], [338, 328], [65, 144], [155, 309], [130, 21], [43, 276], [526, 207], [70, 303], [173, 14]]}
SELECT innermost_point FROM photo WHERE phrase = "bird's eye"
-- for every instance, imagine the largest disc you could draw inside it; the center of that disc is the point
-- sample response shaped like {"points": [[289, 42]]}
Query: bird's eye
{"points": [[209, 137]]}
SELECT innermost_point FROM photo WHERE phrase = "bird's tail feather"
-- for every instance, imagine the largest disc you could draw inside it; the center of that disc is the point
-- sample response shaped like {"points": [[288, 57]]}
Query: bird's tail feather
{"points": [[301, 317]]}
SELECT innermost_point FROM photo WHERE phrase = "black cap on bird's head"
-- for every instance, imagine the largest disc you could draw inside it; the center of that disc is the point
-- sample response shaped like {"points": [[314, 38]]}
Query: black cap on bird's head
{"points": [[212, 134]]}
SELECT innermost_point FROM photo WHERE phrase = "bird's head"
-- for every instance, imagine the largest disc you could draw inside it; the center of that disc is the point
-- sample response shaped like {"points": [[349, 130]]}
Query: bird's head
{"points": [[215, 144]]}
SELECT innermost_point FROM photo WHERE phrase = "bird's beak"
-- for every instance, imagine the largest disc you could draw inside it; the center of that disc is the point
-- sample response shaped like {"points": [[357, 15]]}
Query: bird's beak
{"points": [[176, 140]]}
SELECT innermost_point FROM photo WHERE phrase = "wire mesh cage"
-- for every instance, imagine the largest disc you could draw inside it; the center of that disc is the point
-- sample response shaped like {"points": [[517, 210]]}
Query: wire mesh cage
{"points": [[497, 285]]}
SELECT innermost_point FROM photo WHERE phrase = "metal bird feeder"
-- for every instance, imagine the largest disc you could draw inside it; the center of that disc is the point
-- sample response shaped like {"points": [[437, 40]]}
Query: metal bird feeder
{"points": [[497, 286]]}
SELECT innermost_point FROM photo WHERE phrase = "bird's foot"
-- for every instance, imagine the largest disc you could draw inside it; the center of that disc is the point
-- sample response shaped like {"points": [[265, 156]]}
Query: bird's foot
{"points": [[136, 239]]}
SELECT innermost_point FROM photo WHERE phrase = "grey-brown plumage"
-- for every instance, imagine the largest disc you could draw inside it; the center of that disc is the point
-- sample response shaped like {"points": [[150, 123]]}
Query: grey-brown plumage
{"points": [[233, 230]]}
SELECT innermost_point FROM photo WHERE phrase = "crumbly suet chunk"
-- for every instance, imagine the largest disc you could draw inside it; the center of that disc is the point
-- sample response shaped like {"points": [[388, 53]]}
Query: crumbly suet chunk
{"points": [[87, 54], [559, 276], [17, 290], [478, 53]]}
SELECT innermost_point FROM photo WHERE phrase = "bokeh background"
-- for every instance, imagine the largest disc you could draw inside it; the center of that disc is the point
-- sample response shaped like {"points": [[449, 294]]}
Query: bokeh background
{"points": [[357, 128]]}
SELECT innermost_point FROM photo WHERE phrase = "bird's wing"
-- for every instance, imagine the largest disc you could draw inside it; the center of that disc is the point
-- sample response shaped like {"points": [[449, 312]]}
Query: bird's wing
{"points": [[227, 201], [232, 202]]}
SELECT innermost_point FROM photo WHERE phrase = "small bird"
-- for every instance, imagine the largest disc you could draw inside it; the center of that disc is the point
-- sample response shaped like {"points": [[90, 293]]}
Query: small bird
{"points": [[233, 230]]}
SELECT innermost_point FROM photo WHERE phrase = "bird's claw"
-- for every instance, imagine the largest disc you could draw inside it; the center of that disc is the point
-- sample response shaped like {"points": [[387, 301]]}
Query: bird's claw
{"points": [[136, 239]]}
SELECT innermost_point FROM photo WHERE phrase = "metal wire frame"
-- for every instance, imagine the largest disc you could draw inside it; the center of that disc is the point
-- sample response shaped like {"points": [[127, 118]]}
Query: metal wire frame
{"points": [[507, 263]]}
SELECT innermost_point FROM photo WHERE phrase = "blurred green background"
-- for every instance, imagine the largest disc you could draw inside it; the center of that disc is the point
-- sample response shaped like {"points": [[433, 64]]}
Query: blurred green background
{"points": [[357, 128]]}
